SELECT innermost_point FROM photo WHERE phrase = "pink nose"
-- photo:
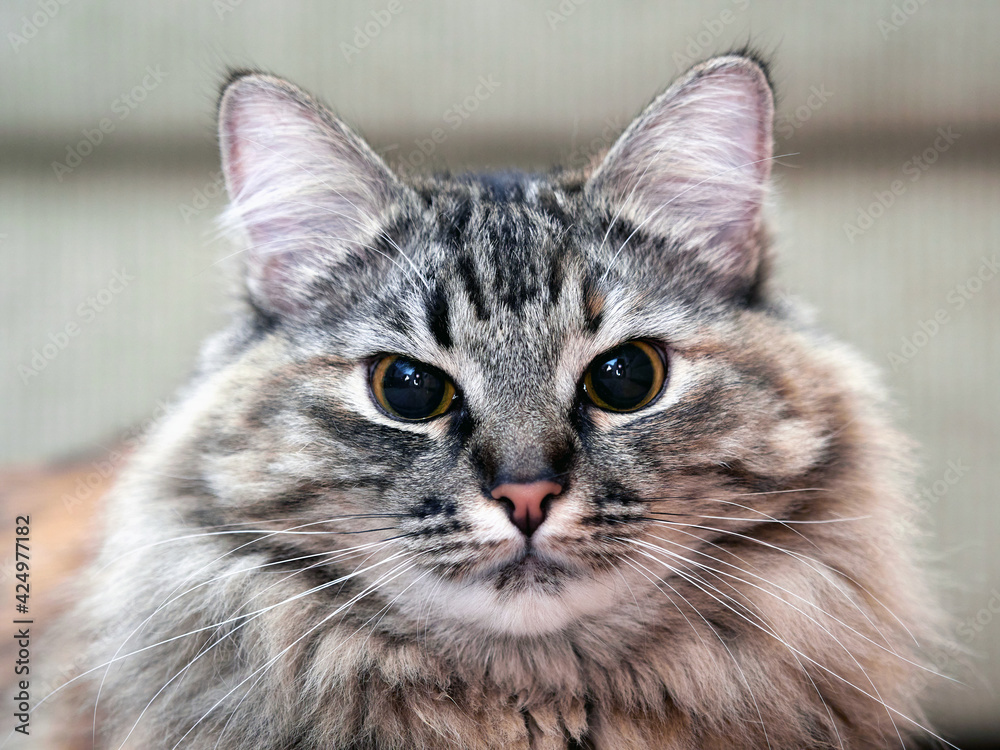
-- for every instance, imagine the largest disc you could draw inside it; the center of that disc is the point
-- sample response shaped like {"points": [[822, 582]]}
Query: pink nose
{"points": [[527, 500]]}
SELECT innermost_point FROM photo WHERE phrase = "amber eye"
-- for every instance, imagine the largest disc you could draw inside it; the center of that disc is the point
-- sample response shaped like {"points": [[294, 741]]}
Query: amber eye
{"points": [[625, 378], [411, 390]]}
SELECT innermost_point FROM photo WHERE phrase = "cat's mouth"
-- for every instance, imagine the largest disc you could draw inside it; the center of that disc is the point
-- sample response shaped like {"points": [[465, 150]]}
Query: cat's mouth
{"points": [[531, 561], [530, 566], [528, 562]]}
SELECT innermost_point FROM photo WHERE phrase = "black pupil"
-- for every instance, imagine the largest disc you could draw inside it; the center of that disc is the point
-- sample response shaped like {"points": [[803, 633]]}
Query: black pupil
{"points": [[414, 390], [623, 377]]}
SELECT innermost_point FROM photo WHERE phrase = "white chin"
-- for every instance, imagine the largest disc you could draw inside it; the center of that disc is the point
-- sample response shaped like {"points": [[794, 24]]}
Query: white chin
{"points": [[528, 608]]}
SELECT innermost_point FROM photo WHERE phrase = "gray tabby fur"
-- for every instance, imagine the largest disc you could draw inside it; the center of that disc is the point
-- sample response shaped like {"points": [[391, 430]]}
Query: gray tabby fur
{"points": [[288, 567]]}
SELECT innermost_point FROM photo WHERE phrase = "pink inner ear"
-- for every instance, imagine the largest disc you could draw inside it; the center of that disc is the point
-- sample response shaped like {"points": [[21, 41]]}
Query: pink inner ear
{"points": [[744, 119], [234, 145], [252, 159], [272, 142], [695, 164], [238, 123], [305, 191]]}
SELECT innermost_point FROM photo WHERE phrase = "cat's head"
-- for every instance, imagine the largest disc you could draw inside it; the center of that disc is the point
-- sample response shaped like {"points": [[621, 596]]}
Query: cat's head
{"points": [[517, 398]]}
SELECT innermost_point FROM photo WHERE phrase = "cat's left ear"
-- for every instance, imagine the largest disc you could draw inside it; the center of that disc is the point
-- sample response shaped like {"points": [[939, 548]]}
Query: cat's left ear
{"points": [[306, 192], [694, 165]]}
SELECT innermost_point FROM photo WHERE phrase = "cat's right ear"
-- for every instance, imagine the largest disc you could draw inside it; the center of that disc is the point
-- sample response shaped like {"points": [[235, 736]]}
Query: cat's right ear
{"points": [[305, 192], [694, 166]]}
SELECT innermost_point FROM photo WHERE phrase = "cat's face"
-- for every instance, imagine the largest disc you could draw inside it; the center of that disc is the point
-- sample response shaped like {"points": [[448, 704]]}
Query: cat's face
{"points": [[510, 394]]}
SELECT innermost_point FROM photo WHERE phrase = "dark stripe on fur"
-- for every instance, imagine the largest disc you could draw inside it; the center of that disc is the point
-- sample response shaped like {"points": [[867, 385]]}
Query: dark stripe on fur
{"points": [[470, 281], [438, 320]]}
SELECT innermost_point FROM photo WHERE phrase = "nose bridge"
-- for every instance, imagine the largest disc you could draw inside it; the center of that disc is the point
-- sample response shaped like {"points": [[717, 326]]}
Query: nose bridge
{"points": [[522, 432], [526, 442], [526, 456]]}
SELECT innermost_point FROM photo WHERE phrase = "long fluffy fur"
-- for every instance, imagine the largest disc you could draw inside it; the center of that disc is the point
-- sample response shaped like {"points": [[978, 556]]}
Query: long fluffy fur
{"points": [[288, 567]]}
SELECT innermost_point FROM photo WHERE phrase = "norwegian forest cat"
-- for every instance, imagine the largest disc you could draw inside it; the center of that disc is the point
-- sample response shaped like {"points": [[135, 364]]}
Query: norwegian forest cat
{"points": [[509, 461]]}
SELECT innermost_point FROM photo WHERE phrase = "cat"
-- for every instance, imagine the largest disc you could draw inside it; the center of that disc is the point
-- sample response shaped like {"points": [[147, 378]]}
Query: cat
{"points": [[510, 460]]}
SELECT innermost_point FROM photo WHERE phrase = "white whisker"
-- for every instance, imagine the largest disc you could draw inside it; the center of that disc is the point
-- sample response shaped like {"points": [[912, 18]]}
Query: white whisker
{"points": [[824, 569], [732, 656], [248, 618], [875, 697], [372, 587]]}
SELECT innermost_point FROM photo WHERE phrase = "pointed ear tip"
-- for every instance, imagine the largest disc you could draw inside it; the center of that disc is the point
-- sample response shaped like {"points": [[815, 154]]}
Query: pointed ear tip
{"points": [[749, 72], [237, 78], [750, 66], [237, 82], [240, 82], [234, 75], [238, 90]]}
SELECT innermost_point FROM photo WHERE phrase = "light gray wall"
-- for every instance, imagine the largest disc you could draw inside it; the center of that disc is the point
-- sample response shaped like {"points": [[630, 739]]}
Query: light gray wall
{"points": [[882, 80]]}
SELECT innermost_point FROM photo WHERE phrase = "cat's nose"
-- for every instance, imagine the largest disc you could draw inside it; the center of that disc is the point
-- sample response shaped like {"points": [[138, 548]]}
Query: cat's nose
{"points": [[528, 500]]}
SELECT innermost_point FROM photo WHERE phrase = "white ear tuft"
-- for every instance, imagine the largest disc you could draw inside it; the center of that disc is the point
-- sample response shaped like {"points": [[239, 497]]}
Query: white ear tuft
{"points": [[305, 191], [694, 165]]}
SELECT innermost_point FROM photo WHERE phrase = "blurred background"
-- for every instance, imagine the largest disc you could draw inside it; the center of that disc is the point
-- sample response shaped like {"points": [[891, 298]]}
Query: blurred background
{"points": [[888, 198]]}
